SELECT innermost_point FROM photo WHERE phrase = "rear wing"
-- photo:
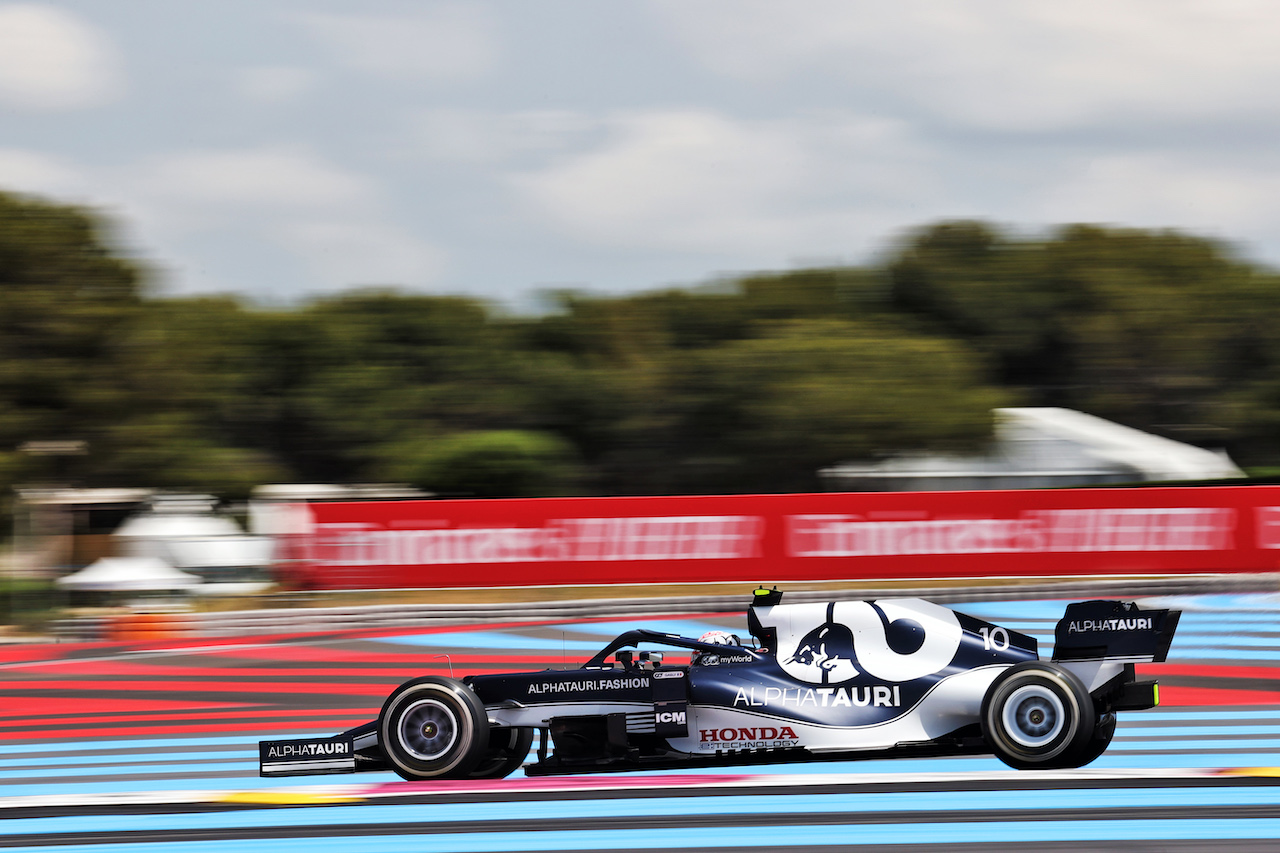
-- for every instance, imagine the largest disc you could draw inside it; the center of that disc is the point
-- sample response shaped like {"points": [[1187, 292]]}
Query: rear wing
{"points": [[1114, 631]]}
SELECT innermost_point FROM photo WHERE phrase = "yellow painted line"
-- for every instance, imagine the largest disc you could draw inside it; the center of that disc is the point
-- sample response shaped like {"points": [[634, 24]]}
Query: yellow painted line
{"points": [[285, 798], [1263, 772]]}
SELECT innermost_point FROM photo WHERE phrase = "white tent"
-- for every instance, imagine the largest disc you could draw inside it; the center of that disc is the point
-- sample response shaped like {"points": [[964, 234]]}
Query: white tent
{"points": [[1064, 438], [1042, 448], [186, 534], [129, 574]]}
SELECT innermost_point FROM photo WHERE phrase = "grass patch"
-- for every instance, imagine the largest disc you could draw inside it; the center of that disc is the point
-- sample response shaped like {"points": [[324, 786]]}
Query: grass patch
{"points": [[30, 605]]}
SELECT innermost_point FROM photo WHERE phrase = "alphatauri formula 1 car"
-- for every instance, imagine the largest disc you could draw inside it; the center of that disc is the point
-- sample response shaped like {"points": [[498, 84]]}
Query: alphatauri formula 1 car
{"points": [[820, 681]]}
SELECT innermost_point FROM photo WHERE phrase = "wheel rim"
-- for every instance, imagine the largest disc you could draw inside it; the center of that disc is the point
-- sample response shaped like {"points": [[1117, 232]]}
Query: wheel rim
{"points": [[428, 729], [1034, 716]]}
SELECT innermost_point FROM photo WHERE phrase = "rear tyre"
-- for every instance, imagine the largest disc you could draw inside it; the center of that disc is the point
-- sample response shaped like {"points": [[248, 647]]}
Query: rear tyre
{"points": [[433, 728], [1038, 716], [1089, 751], [508, 748]]}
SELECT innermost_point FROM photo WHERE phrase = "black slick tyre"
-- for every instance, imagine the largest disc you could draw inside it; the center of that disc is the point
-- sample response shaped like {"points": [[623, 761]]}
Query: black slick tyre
{"points": [[433, 728], [1038, 715], [1097, 745], [508, 748]]}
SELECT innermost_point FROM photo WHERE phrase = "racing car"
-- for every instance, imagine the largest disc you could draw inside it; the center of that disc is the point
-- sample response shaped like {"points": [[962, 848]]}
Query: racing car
{"points": [[817, 681]]}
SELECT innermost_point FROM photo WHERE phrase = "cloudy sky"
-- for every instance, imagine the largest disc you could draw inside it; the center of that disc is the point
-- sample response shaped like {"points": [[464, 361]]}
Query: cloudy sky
{"points": [[289, 148]]}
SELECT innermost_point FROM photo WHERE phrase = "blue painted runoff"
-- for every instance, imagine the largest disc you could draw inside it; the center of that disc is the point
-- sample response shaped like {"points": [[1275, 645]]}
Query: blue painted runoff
{"points": [[837, 836], [969, 802]]}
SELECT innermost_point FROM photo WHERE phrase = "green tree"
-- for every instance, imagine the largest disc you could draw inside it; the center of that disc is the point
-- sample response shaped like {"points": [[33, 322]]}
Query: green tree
{"points": [[770, 411], [1159, 325], [355, 372], [148, 384], [66, 303], [1155, 329], [747, 384], [491, 463], [968, 281]]}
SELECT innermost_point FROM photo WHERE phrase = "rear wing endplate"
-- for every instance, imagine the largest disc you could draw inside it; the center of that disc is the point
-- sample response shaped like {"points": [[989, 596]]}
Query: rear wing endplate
{"points": [[1116, 631]]}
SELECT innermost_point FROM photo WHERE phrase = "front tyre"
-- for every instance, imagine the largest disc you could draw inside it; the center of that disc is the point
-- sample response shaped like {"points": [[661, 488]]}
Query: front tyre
{"points": [[433, 728], [508, 748], [1038, 716]]}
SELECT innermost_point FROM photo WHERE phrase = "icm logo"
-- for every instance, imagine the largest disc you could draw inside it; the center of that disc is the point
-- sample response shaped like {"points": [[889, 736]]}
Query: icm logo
{"points": [[675, 717]]}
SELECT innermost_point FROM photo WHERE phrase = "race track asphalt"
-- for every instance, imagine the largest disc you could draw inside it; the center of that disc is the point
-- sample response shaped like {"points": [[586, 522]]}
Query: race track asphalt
{"points": [[152, 746]]}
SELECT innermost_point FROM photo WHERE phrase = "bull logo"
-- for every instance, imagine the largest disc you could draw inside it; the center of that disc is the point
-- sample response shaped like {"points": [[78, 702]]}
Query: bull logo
{"points": [[826, 654], [825, 650]]}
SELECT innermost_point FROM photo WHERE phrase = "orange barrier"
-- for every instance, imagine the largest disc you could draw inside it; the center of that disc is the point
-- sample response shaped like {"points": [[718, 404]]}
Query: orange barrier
{"points": [[131, 627]]}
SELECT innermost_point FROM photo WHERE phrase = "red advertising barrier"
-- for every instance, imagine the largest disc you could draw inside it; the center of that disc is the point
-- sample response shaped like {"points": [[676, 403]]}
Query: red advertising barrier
{"points": [[768, 538]]}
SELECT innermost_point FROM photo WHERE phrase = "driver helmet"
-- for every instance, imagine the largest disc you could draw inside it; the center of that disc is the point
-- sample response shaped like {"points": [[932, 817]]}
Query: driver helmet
{"points": [[715, 638], [720, 638]]}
